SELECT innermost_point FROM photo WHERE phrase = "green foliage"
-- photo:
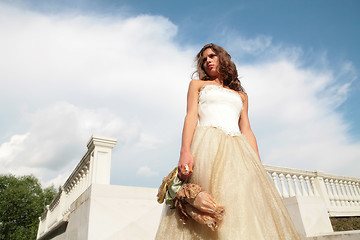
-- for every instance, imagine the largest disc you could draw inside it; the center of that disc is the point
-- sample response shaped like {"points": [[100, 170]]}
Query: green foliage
{"points": [[22, 201]]}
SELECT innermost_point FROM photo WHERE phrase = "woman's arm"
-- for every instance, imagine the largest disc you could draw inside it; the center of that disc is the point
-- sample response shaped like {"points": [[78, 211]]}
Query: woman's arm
{"points": [[244, 124], [190, 123]]}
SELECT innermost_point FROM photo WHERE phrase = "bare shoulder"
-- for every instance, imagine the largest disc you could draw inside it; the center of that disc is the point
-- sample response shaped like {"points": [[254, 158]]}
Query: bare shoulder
{"points": [[244, 96], [196, 84]]}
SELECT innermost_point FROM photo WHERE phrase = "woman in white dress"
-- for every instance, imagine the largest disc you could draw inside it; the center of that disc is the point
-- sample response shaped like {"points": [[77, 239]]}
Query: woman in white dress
{"points": [[219, 152]]}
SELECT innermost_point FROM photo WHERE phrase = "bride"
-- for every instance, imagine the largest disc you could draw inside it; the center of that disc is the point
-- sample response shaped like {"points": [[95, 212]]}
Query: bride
{"points": [[219, 152]]}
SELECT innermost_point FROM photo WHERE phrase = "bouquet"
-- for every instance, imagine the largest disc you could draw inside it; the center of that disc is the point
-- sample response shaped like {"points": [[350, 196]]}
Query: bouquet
{"points": [[190, 201]]}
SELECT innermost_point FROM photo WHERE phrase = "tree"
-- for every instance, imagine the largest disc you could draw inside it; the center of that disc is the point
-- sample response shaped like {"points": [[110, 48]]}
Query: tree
{"points": [[22, 201]]}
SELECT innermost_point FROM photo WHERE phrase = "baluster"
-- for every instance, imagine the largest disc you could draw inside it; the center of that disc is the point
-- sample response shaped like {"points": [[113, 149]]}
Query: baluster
{"points": [[291, 190], [78, 179], [86, 169], [285, 194], [72, 186], [352, 193], [329, 192], [82, 182], [303, 190], [41, 230], [61, 203], [274, 174], [73, 190], [67, 204], [341, 197], [316, 193], [343, 192], [309, 186], [77, 190], [349, 193], [47, 212], [336, 196], [357, 192], [297, 190]]}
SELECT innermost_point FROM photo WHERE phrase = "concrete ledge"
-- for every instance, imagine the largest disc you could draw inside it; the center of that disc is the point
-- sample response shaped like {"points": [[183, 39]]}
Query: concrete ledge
{"points": [[56, 230], [343, 235], [129, 212], [309, 216]]}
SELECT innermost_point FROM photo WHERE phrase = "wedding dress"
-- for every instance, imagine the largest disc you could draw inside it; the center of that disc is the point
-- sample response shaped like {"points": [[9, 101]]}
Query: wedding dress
{"points": [[226, 166]]}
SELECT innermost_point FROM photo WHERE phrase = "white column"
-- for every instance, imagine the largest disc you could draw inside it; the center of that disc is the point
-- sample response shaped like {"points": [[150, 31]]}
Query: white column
{"points": [[347, 185], [297, 190], [340, 195], [61, 203], [40, 228], [308, 185], [312, 180], [101, 162], [303, 190], [291, 190], [344, 193], [323, 188], [285, 194], [274, 174], [47, 209], [357, 193], [334, 190]]}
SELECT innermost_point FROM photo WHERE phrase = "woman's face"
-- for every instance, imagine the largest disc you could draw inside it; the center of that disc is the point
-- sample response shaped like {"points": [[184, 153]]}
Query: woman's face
{"points": [[211, 63]]}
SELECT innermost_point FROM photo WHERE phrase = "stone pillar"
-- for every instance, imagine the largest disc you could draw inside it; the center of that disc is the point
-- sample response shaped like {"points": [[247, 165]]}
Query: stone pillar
{"points": [[100, 163], [309, 215], [47, 209], [61, 204], [321, 187]]}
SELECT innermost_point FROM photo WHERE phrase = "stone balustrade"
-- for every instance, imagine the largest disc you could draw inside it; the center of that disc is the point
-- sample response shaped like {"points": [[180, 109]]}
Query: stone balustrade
{"points": [[311, 197], [340, 194], [93, 168]]}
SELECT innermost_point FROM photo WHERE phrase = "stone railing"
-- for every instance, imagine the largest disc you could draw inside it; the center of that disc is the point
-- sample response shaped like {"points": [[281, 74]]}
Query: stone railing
{"points": [[94, 168], [340, 194], [311, 190]]}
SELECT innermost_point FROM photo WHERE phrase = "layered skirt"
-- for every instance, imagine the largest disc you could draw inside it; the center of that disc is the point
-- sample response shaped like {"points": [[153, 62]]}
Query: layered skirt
{"points": [[229, 169]]}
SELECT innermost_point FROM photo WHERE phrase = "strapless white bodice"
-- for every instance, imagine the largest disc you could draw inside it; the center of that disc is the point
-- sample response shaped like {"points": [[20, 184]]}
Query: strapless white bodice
{"points": [[220, 107]]}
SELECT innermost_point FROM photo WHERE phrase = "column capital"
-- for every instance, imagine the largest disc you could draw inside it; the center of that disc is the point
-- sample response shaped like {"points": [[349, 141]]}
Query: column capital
{"points": [[100, 141]]}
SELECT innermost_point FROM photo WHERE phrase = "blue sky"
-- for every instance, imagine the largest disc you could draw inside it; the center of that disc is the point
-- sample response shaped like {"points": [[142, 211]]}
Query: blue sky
{"points": [[318, 27], [99, 62]]}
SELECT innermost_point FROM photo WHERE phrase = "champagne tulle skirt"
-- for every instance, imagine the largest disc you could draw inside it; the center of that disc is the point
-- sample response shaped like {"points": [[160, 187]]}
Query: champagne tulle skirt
{"points": [[228, 168]]}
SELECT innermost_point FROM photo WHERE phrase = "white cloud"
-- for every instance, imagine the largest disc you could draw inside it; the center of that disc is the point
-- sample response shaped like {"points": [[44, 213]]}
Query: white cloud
{"points": [[67, 77], [146, 172], [10, 149], [255, 45], [62, 56], [148, 141], [260, 48], [57, 137], [294, 113]]}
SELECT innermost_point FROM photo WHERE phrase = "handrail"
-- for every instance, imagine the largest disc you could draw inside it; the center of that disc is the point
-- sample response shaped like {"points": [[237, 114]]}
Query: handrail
{"points": [[93, 168], [340, 194]]}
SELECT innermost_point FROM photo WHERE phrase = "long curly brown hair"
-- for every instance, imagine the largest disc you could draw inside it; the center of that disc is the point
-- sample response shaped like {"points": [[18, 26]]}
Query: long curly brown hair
{"points": [[227, 69]]}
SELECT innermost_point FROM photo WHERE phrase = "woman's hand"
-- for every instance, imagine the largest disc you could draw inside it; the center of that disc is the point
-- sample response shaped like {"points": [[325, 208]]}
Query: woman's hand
{"points": [[185, 166]]}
